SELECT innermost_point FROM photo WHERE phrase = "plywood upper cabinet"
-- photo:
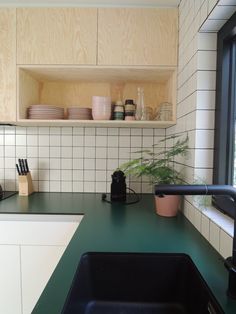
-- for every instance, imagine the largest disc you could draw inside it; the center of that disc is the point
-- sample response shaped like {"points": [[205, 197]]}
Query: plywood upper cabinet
{"points": [[56, 35], [129, 36], [7, 65]]}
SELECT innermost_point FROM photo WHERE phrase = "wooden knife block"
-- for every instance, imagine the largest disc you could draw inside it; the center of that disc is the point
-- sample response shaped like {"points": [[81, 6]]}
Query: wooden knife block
{"points": [[25, 184]]}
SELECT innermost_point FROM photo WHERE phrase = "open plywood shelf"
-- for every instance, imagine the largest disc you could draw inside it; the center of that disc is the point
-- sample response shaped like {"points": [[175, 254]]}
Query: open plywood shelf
{"points": [[67, 86], [96, 123]]}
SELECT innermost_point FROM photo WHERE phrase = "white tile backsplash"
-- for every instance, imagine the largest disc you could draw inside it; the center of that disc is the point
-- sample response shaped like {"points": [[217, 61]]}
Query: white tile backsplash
{"points": [[195, 108]]}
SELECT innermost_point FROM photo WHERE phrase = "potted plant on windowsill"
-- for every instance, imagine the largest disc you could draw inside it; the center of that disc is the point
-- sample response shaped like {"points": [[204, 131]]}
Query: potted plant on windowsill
{"points": [[158, 167]]}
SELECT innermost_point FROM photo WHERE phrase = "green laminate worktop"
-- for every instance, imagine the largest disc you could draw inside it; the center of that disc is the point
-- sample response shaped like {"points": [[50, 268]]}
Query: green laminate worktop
{"points": [[118, 228]]}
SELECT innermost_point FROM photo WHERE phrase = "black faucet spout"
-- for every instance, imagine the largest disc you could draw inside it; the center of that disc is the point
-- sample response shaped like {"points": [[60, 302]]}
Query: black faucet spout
{"points": [[228, 190]]}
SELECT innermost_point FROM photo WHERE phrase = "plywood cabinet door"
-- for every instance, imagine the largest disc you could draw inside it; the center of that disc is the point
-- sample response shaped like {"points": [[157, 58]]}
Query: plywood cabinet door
{"points": [[7, 65], [129, 36], [56, 35]]}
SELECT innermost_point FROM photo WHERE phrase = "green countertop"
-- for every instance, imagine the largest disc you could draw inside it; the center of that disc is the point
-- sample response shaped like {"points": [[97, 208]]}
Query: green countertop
{"points": [[119, 228]]}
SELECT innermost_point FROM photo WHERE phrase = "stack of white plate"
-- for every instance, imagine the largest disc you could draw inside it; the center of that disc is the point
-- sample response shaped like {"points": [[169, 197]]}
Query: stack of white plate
{"points": [[45, 112], [79, 113]]}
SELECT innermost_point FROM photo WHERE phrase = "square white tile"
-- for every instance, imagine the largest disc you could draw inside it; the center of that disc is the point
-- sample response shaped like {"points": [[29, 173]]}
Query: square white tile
{"points": [[226, 244], [100, 187], [43, 151], [214, 236], [77, 175], [32, 140], [78, 186], [10, 139], [66, 186], [43, 140], [78, 163], [89, 164], [78, 131], [112, 152], [55, 163], [55, 175], [89, 140], [101, 164], [100, 175], [113, 131], [66, 130], [55, 152], [55, 130], [55, 186], [10, 151], [78, 140], [101, 131], [66, 163], [66, 175], [66, 140], [101, 152], [55, 140], [89, 187], [113, 141], [44, 175], [66, 152], [89, 131], [78, 152], [32, 151], [89, 175], [20, 139], [124, 141], [89, 152], [101, 141], [43, 130]]}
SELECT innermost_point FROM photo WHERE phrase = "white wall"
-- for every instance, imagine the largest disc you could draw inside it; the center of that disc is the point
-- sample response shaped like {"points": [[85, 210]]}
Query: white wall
{"points": [[199, 22]]}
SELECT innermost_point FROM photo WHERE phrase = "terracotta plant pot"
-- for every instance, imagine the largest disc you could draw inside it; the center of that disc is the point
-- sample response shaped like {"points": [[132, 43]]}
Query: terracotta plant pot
{"points": [[167, 205]]}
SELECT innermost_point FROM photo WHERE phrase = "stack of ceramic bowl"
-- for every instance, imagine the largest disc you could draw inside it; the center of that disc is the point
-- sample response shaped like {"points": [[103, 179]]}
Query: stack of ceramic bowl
{"points": [[129, 110], [45, 112], [77, 113], [101, 108]]}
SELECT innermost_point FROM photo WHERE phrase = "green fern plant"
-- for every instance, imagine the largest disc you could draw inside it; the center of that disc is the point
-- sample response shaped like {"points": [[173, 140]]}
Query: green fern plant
{"points": [[158, 167]]}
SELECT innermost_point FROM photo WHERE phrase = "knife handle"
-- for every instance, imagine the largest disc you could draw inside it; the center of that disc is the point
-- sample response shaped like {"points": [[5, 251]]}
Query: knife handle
{"points": [[18, 170], [26, 166], [22, 168]]}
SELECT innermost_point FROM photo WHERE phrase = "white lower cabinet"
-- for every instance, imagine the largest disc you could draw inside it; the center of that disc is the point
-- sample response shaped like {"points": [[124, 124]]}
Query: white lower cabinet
{"points": [[30, 249], [37, 266], [10, 280]]}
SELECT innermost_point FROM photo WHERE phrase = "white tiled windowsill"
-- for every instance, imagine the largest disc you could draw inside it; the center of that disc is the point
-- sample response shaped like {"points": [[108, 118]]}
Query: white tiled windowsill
{"points": [[223, 221]]}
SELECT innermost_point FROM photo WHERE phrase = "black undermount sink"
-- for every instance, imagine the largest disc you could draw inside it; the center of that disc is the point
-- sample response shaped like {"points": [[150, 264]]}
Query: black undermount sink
{"points": [[130, 283]]}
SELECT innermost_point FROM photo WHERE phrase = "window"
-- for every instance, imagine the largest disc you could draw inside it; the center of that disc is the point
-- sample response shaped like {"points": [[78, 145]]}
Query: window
{"points": [[225, 117]]}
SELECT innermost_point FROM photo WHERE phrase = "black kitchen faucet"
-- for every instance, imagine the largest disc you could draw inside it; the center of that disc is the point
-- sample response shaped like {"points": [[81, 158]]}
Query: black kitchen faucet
{"points": [[230, 262]]}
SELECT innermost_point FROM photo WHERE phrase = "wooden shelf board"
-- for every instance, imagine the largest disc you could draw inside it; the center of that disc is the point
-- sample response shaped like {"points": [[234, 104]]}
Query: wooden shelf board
{"points": [[99, 73], [97, 123]]}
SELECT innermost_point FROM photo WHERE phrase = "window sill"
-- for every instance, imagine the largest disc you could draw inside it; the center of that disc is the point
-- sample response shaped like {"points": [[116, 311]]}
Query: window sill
{"points": [[221, 220]]}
